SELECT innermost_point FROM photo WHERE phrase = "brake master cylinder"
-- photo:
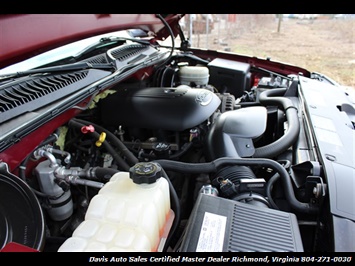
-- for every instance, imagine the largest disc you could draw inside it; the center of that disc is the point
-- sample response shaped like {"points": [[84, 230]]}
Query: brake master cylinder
{"points": [[131, 212]]}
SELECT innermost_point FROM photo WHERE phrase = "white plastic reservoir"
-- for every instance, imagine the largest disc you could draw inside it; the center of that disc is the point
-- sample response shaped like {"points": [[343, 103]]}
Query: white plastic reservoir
{"points": [[198, 75], [124, 216]]}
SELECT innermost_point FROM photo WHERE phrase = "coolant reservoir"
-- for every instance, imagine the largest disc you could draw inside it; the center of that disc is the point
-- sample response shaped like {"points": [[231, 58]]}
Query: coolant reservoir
{"points": [[130, 213]]}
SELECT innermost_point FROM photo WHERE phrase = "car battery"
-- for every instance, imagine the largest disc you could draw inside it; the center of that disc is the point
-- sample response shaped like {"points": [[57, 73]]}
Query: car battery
{"points": [[229, 76], [222, 225]]}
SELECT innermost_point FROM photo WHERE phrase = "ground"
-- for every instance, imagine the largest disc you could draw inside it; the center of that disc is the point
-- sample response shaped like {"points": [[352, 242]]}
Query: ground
{"points": [[321, 45]]}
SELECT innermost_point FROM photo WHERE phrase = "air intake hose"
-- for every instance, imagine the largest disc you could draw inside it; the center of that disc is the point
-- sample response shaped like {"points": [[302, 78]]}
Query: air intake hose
{"points": [[214, 166], [269, 97]]}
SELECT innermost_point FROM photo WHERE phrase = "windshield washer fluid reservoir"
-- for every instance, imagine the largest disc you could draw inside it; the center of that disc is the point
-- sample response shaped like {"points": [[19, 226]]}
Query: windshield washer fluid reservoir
{"points": [[131, 212]]}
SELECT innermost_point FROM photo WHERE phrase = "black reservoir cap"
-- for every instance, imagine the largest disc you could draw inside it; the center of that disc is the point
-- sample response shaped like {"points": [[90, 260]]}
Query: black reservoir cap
{"points": [[145, 172]]}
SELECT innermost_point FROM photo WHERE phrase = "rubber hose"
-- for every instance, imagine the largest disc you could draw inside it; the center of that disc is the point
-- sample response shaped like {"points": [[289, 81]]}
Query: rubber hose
{"points": [[108, 147], [270, 184], [269, 187], [291, 135], [116, 141], [192, 168], [104, 173], [175, 205], [213, 166]]}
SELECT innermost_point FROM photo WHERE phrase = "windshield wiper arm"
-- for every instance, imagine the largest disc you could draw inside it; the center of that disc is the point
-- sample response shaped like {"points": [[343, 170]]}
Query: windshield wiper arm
{"points": [[116, 39], [61, 68]]}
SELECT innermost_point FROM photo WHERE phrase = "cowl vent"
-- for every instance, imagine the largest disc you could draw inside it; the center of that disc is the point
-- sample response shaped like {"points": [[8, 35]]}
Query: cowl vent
{"points": [[35, 92], [98, 59], [128, 51]]}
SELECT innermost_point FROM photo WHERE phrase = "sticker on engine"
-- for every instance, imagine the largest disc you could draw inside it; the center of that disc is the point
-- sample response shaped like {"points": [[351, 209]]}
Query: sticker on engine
{"points": [[212, 233]]}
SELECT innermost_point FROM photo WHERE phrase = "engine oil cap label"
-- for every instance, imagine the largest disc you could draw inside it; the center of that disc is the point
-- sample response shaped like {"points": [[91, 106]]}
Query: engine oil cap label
{"points": [[204, 97], [212, 233]]}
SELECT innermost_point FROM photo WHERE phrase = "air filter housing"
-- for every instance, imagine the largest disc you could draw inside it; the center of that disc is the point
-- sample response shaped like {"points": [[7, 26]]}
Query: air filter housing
{"points": [[223, 225]]}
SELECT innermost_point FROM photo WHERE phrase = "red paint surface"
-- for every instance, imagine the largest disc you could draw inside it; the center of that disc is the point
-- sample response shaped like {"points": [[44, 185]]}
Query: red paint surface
{"points": [[26, 35]]}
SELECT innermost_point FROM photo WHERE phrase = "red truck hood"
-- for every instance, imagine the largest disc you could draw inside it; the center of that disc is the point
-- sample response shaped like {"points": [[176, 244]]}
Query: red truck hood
{"points": [[25, 35]]}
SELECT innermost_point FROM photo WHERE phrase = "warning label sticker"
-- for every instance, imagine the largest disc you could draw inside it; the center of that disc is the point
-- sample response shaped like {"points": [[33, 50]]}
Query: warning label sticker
{"points": [[212, 233]]}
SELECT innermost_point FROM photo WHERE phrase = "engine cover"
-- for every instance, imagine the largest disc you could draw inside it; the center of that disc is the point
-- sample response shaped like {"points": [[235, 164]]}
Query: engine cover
{"points": [[166, 108]]}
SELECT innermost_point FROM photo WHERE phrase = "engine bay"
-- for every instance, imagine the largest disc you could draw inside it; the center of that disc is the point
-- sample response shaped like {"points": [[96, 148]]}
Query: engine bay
{"points": [[229, 142]]}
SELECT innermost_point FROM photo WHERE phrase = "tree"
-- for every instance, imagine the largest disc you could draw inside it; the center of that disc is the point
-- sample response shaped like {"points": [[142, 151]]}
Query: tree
{"points": [[279, 24]]}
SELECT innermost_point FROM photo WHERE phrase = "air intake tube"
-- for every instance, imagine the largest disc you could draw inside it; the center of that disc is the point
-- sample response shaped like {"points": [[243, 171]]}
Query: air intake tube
{"points": [[269, 97], [232, 135], [215, 165]]}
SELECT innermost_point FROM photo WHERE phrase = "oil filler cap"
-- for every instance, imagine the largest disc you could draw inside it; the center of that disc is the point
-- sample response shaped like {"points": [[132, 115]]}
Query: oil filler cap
{"points": [[145, 172]]}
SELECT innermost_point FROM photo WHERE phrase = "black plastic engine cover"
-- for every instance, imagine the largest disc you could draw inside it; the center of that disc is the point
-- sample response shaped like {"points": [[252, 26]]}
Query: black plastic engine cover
{"points": [[166, 108]]}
